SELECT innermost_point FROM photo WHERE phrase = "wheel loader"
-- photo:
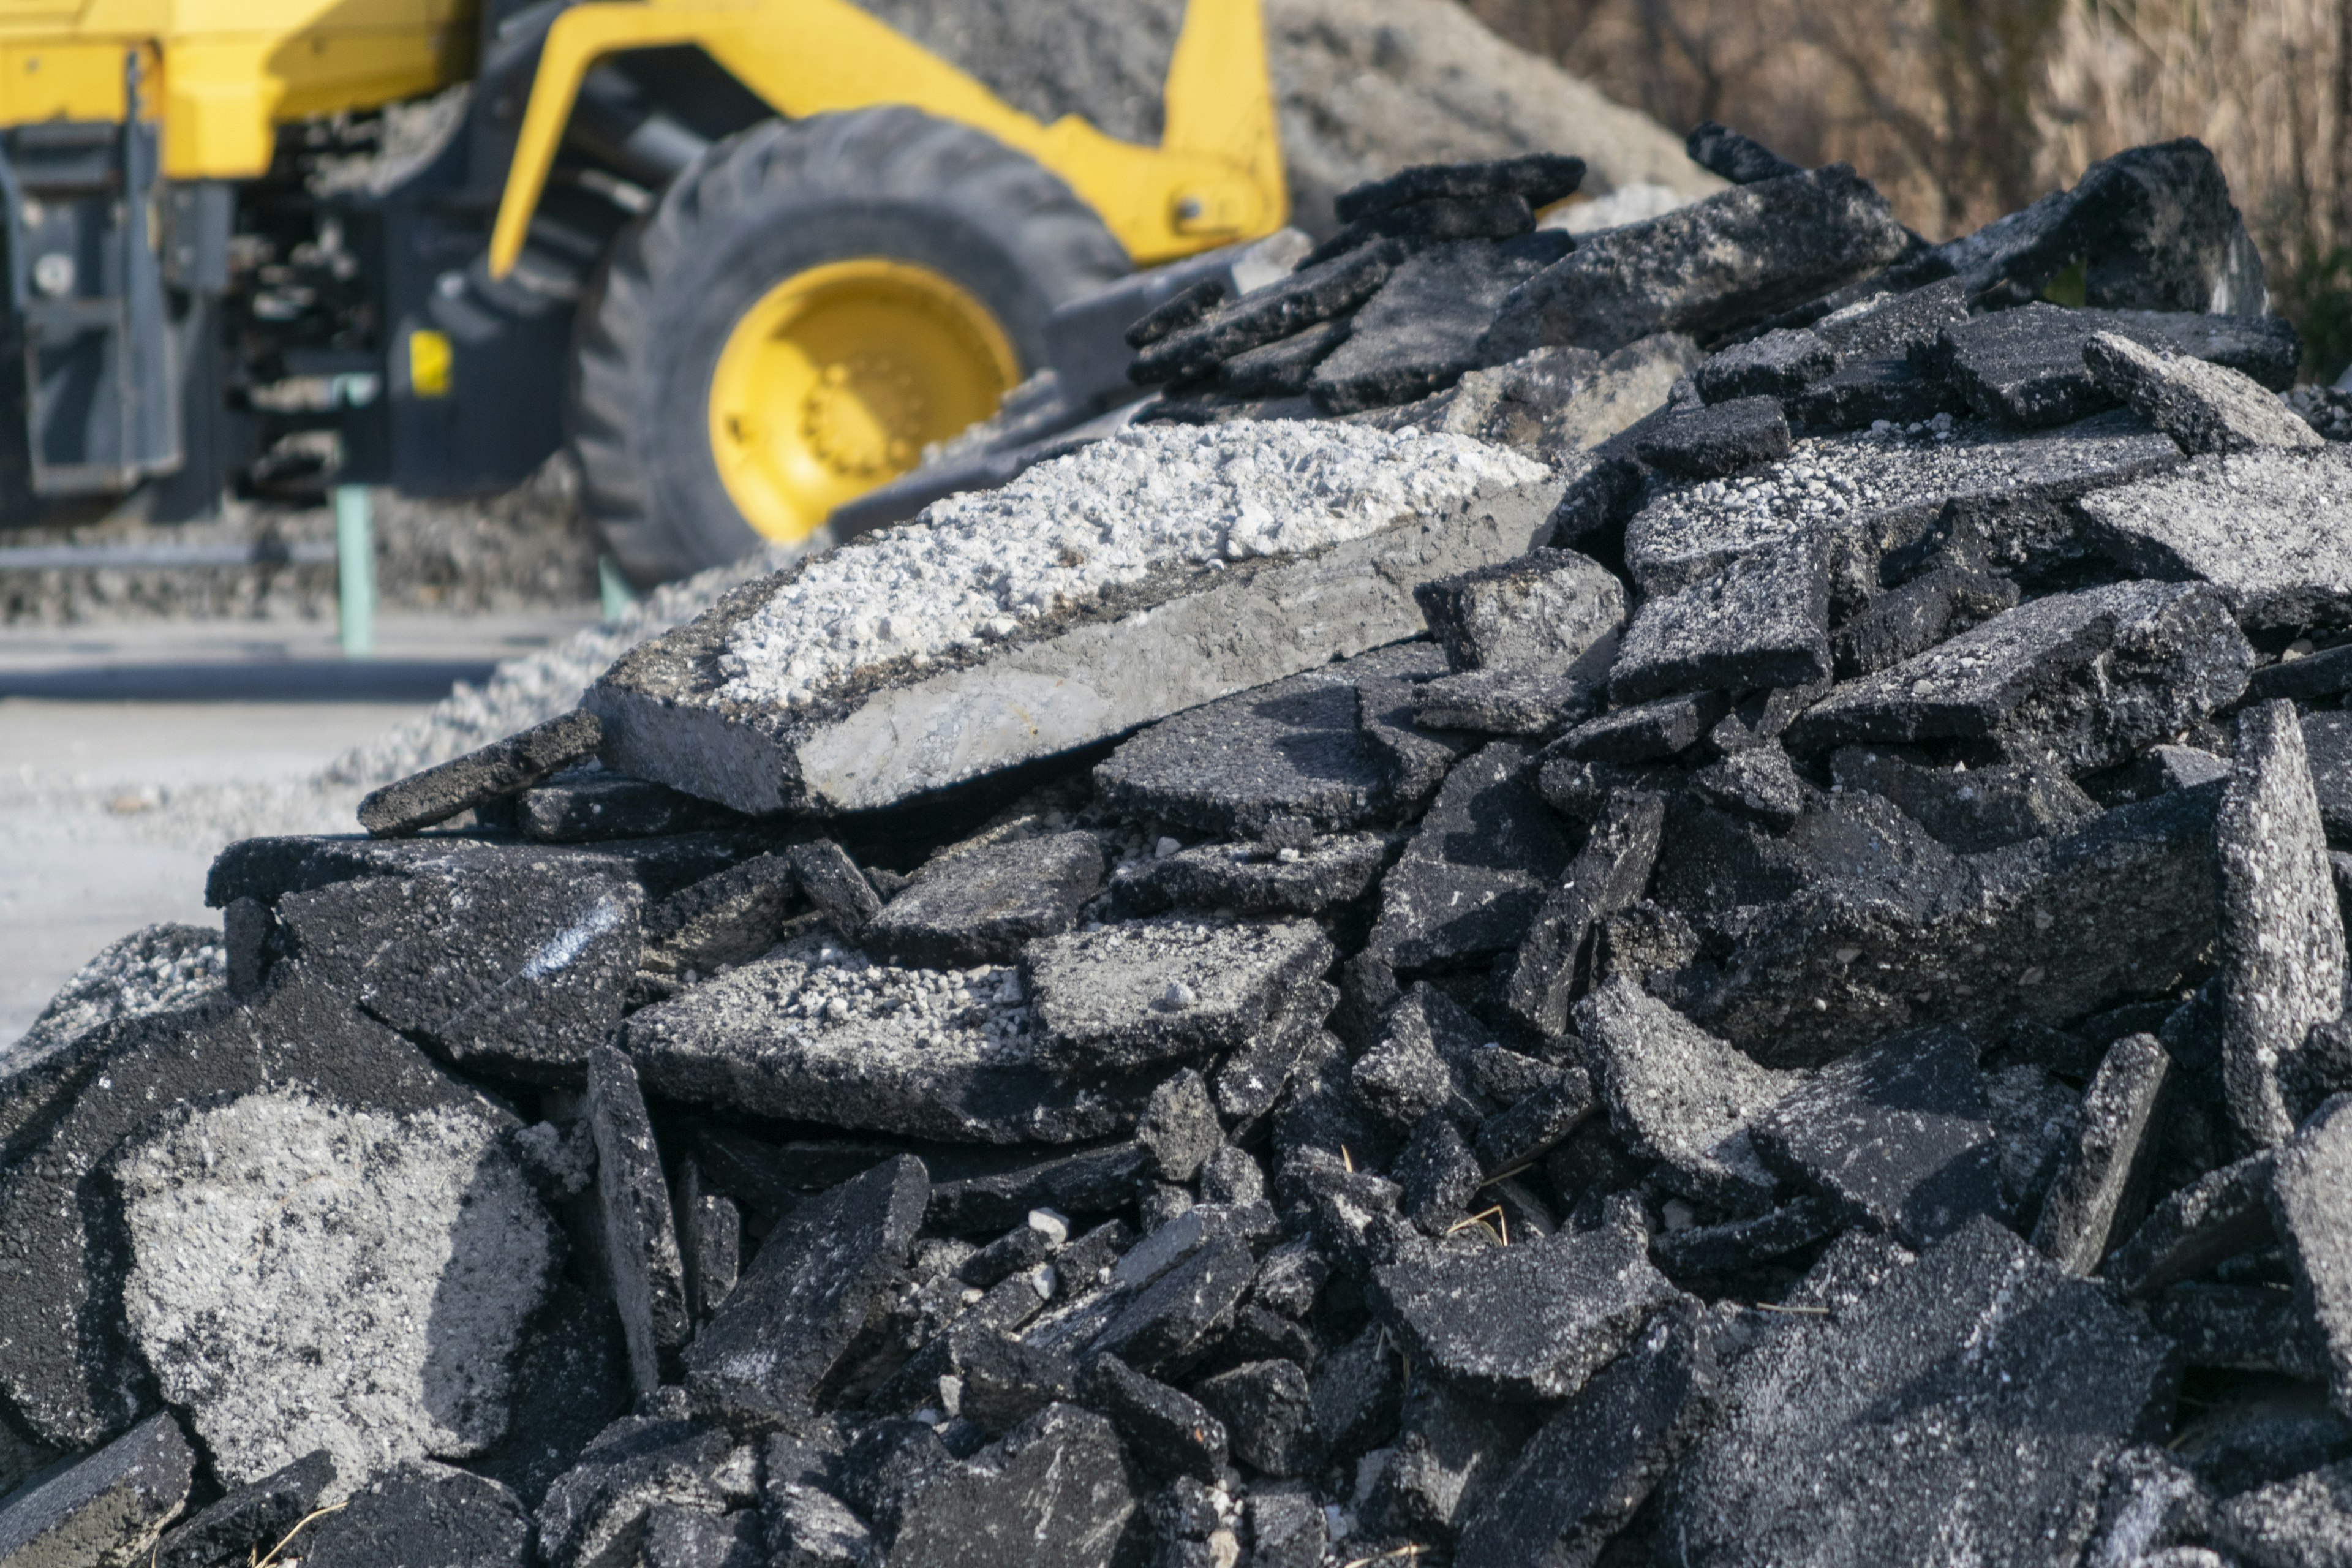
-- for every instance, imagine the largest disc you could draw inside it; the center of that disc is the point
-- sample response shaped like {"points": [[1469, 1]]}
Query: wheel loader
{"points": [[748, 257]]}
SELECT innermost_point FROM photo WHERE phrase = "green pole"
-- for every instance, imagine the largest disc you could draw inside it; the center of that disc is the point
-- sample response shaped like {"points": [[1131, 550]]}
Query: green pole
{"points": [[355, 570], [613, 589]]}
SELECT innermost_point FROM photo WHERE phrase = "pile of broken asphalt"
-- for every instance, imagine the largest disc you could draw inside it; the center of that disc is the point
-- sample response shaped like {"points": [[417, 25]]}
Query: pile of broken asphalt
{"points": [[1451, 975]]}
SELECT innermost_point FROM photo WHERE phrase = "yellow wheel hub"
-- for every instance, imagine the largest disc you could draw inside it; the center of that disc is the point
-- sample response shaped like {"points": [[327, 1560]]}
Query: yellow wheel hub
{"points": [[835, 380]]}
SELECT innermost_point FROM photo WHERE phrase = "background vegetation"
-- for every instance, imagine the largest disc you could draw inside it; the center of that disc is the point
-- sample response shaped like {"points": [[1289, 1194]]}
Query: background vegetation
{"points": [[1963, 110]]}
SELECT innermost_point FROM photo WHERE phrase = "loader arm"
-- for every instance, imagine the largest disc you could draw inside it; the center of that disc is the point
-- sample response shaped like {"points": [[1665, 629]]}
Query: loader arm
{"points": [[1215, 177]]}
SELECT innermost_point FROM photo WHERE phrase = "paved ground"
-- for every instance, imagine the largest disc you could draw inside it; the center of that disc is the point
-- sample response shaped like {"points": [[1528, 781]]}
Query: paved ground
{"points": [[129, 755]]}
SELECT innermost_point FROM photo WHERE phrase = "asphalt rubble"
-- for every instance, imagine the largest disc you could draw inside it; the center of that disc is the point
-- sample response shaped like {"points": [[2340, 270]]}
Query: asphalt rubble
{"points": [[1670, 900]]}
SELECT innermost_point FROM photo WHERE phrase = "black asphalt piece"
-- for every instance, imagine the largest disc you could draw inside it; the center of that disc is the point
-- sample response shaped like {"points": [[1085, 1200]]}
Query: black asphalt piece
{"points": [[1291, 748], [1646, 732], [1721, 438], [1742, 160], [1476, 870], [639, 1226], [1535, 1123], [1759, 784], [1605, 488], [2328, 750], [266, 869], [2281, 958], [1596, 1460], [1540, 612], [1507, 701], [1170, 1323], [1761, 623], [1421, 332], [731, 918], [2241, 1327], [1493, 215], [1542, 178], [808, 1292], [1863, 392], [1170, 1433], [572, 1380], [502, 768], [1435, 1174], [1266, 1408], [1917, 615], [1419, 1063], [423, 1516], [833, 884], [2310, 1186], [1180, 310], [64, 1372], [1861, 1437], [249, 1521], [2311, 678], [2080, 682], [1734, 1245], [1612, 870], [1971, 809], [1287, 1529], [1284, 368], [1312, 294], [1006, 1382], [688, 1538], [982, 906], [579, 807], [636, 1464], [108, 1508], [1018, 1250], [1179, 1128], [2025, 367], [516, 967], [2217, 1216], [1357, 1391], [1843, 850], [2305, 1520], [1527, 1322], [1677, 1095], [2152, 1502], [1717, 264], [1779, 364], [1450, 1446], [2100, 1190], [2203, 407], [1897, 1134], [2264, 1433], [1256, 879], [1410, 760], [1161, 991]]}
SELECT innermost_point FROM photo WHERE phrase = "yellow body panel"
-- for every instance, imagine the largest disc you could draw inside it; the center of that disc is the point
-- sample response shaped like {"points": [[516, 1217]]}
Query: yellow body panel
{"points": [[223, 75]]}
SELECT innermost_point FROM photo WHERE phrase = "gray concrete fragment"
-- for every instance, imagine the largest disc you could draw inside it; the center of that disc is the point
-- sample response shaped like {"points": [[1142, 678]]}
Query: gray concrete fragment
{"points": [[2077, 682], [2310, 1186], [424, 1516], [872, 731], [808, 1293], [1423, 330], [308, 1274], [1295, 748], [1896, 1133], [2203, 407], [1679, 1096], [1761, 622], [1541, 613], [478, 777], [2101, 1185], [1528, 1322], [68, 1376], [984, 906], [106, 1510], [1595, 1462], [1612, 870], [1131, 995], [2303, 1523], [2026, 367], [2266, 528], [1867, 1436], [2282, 935], [1477, 869], [640, 1233], [1705, 268], [516, 967]]}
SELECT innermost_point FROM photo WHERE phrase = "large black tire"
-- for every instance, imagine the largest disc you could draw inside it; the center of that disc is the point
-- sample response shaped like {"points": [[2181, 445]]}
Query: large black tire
{"points": [[755, 210]]}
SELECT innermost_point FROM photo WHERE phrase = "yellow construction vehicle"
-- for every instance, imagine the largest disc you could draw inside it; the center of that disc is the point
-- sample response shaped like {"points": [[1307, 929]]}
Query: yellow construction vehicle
{"points": [[749, 256]]}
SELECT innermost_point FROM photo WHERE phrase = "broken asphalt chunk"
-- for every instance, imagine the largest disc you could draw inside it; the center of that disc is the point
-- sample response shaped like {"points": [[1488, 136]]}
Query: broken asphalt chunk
{"points": [[1477, 869], [502, 768], [2101, 1186], [2310, 1186], [982, 906], [1131, 995]]}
